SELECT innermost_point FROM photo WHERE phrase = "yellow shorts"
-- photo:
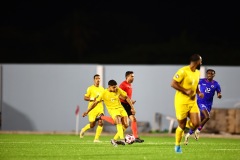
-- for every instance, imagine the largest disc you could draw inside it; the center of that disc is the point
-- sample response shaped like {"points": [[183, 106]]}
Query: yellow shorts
{"points": [[117, 111], [183, 110], [93, 114]]}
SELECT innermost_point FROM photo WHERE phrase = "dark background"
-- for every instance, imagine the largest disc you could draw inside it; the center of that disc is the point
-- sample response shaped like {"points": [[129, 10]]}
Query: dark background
{"points": [[119, 32]]}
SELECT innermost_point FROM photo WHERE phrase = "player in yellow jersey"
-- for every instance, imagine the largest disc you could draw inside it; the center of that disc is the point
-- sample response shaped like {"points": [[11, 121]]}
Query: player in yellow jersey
{"points": [[92, 93], [111, 97], [185, 82]]}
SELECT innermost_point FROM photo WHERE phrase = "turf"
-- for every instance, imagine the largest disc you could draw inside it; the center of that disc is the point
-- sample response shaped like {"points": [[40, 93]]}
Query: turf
{"points": [[71, 147]]}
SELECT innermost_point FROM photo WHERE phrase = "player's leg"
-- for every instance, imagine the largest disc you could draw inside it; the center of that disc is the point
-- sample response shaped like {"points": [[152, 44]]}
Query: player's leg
{"points": [[193, 122], [119, 133], [86, 127], [98, 130], [181, 114], [205, 116], [134, 125], [189, 123], [133, 120], [195, 117], [91, 124], [191, 127], [105, 118], [124, 120], [178, 134], [115, 114], [135, 129]]}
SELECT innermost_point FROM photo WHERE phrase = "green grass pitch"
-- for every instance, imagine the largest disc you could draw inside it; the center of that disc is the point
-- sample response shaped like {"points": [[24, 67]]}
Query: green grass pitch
{"points": [[71, 147]]}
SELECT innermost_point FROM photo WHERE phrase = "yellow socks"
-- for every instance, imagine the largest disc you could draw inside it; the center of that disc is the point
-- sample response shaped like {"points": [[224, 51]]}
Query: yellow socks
{"points": [[178, 135], [120, 131], [87, 127], [98, 132]]}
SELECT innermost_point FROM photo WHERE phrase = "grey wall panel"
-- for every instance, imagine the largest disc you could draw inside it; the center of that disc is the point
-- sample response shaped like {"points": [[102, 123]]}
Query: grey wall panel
{"points": [[44, 97]]}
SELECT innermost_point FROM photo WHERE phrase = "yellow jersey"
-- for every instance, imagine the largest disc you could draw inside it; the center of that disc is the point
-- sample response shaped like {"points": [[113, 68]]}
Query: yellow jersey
{"points": [[93, 92], [111, 99], [188, 80]]}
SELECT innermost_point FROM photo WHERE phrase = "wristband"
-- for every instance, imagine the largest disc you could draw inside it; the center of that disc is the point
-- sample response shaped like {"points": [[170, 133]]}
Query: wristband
{"points": [[91, 99]]}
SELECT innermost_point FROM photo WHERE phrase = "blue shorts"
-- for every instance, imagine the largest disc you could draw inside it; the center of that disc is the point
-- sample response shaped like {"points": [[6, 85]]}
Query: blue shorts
{"points": [[202, 107]]}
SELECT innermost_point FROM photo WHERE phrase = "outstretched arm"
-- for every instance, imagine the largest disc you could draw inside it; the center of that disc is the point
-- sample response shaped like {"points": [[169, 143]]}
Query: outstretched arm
{"points": [[90, 108]]}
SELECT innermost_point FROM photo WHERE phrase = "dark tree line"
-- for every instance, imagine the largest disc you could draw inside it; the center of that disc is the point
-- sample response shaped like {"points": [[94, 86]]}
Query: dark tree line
{"points": [[83, 36]]}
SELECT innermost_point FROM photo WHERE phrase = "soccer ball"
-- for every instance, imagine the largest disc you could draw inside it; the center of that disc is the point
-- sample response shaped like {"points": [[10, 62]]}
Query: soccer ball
{"points": [[129, 139]]}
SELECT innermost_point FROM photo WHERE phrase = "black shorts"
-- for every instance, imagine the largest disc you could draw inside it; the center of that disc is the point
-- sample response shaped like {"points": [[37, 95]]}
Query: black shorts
{"points": [[127, 107]]}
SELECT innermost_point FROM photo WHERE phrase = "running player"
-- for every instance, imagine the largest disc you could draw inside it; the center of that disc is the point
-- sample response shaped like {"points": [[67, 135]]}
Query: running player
{"points": [[92, 93], [208, 86], [111, 97], [127, 87], [185, 82]]}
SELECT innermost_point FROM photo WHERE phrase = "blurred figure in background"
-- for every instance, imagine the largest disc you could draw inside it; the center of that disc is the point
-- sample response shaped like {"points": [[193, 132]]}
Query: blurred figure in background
{"points": [[208, 87], [92, 93], [127, 87]]}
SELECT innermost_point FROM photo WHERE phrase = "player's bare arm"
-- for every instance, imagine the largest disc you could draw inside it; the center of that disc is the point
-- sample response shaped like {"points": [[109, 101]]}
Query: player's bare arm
{"points": [[90, 108], [91, 99], [131, 104], [176, 85], [123, 98], [200, 94], [133, 101], [219, 95]]}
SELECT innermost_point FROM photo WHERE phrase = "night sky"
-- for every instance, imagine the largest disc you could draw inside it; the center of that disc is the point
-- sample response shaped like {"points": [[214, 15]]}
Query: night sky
{"points": [[120, 32]]}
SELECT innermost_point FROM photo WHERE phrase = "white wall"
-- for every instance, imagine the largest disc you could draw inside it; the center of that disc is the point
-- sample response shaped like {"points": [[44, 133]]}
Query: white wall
{"points": [[44, 97]]}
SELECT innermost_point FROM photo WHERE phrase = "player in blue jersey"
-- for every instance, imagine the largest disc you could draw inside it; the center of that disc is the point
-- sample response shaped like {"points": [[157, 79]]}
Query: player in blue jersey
{"points": [[208, 86]]}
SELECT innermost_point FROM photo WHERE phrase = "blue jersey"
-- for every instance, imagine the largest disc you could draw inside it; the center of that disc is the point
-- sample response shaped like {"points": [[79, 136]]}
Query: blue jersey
{"points": [[208, 88]]}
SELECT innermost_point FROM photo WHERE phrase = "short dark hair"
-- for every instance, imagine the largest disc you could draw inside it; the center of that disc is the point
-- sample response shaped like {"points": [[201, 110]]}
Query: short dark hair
{"points": [[112, 83], [211, 70], [128, 73], [96, 75], [195, 58]]}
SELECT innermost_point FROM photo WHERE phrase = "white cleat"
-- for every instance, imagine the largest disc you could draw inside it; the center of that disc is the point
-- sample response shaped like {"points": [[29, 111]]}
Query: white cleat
{"points": [[186, 138], [113, 142], [97, 141], [196, 134], [81, 134]]}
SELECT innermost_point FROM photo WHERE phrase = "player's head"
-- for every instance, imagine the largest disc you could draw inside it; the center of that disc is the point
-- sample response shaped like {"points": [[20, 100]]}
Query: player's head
{"points": [[96, 79], [129, 75], [112, 85], [210, 74], [196, 59]]}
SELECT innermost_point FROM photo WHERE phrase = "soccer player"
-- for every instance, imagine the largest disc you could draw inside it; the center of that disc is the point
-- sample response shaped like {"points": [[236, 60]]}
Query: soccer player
{"points": [[208, 86], [185, 82], [92, 93], [111, 97], [127, 87]]}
